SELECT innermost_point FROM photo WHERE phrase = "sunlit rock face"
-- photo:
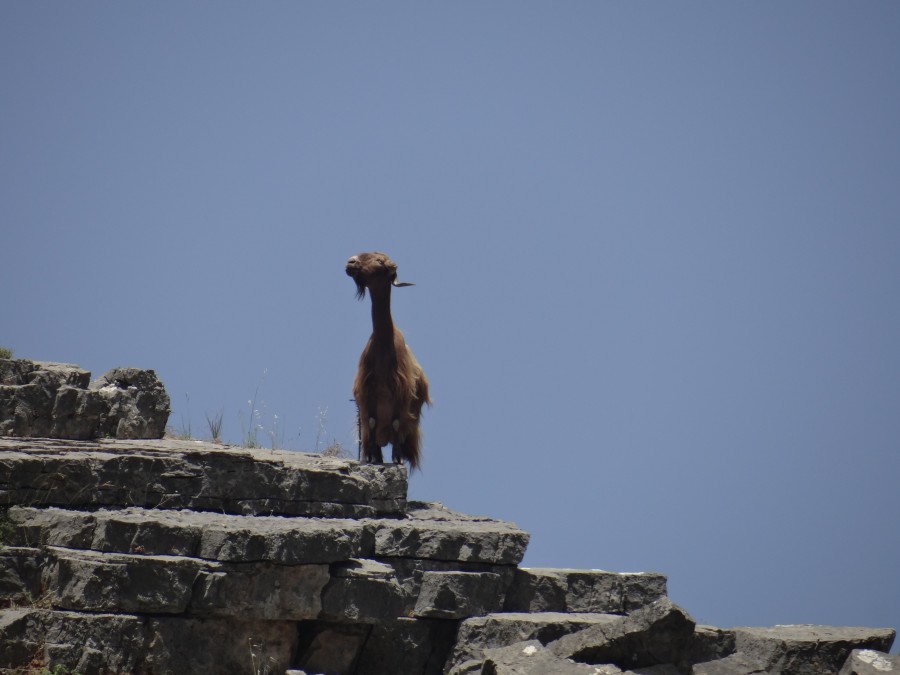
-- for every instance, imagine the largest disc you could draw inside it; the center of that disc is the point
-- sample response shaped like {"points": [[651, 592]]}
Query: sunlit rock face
{"points": [[41, 399]]}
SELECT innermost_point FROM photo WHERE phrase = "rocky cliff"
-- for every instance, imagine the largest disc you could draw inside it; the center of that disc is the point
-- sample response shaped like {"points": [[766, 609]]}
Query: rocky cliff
{"points": [[163, 556]]}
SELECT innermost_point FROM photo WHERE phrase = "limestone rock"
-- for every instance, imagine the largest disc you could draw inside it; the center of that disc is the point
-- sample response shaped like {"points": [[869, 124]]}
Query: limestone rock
{"points": [[407, 646], [176, 474], [456, 595], [530, 658], [650, 636], [870, 662], [56, 400], [42, 398], [808, 650], [228, 646], [735, 664], [435, 532], [507, 628], [109, 582], [709, 643], [85, 643], [136, 401], [363, 590], [163, 556], [20, 575], [561, 590]]}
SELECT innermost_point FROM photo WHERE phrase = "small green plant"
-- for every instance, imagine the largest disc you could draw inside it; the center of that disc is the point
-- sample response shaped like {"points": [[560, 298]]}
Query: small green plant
{"points": [[6, 353]]}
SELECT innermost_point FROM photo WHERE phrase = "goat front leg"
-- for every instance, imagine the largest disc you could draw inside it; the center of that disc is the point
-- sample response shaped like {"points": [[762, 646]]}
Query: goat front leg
{"points": [[371, 450]]}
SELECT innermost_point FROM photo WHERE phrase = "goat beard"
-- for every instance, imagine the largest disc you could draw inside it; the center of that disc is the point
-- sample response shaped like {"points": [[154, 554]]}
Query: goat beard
{"points": [[360, 290]]}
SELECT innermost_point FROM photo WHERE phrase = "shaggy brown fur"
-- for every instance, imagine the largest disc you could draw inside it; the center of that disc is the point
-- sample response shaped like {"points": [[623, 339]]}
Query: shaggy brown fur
{"points": [[390, 387]]}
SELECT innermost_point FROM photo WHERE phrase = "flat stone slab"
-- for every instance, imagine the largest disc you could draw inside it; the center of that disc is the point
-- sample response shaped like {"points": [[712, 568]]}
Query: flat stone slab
{"points": [[503, 629], [871, 662], [177, 474], [279, 539], [142, 584], [198, 534], [32, 639], [807, 649], [656, 635], [432, 531], [568, 590]]}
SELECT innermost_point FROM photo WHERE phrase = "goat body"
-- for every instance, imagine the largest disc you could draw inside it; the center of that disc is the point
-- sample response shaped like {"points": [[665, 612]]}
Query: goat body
{"points": [[390, 387]]}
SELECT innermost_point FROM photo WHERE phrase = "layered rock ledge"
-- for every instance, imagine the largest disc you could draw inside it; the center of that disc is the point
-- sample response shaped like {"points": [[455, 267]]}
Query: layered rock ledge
{"points": [[163, 556]]}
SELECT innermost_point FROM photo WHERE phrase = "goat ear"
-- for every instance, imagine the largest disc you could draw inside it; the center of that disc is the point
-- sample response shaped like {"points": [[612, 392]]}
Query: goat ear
{"points": [[398, 284]]}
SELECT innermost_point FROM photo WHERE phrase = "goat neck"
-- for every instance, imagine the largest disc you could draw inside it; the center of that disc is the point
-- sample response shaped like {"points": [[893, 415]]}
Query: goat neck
{"points": [[382, 321]]}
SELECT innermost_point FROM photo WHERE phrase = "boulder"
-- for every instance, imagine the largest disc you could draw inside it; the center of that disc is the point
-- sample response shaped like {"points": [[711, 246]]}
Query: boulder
{"points": [[870, 662], [657, 634], [137, 405], [806, 649], [57, 400], [43, 398]]}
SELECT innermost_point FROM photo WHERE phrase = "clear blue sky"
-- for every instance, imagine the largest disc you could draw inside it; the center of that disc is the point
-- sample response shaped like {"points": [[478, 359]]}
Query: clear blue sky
{"points": [[656, 248]]}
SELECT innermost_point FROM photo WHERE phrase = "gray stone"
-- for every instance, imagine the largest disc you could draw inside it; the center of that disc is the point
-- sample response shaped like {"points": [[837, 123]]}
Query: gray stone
{"points": [[407, 646], [260, 591], [434, 532], [227, 646], [735, 664], [870, 662], [42, 398], [86, 643], [562, 590], [653, 635], [55, 400], [530, 658], [807, 649], [20, 576], [111, 582], [176, 474], [456, 595], [504, 629], [363, 590], [136, 401], [709, 644], [213, 536], [411, 571], [332, 648]]}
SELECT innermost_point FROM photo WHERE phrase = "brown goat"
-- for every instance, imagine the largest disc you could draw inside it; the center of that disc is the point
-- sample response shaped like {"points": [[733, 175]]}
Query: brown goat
{"points": [[390, 387]]}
